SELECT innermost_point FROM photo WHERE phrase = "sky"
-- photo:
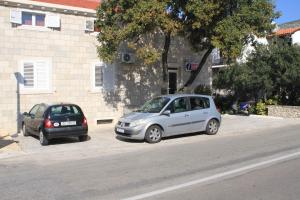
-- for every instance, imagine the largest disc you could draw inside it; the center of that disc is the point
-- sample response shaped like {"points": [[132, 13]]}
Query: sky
{"points": [[290, 10]]}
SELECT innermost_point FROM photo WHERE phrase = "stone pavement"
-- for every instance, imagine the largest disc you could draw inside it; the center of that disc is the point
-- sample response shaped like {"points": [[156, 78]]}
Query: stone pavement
{"points": [[104, 142], [7, 144]]}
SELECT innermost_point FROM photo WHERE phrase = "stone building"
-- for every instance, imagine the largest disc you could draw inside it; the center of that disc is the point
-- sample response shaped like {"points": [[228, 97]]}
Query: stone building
{"points": [[48, 54]]}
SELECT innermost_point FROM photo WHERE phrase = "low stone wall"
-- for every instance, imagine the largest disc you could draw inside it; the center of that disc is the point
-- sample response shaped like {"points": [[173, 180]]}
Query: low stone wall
{"points": [[284, 111]]}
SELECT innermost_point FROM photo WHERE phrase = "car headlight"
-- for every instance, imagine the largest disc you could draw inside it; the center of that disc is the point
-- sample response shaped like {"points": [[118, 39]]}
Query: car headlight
{"points": [[137, 123]]}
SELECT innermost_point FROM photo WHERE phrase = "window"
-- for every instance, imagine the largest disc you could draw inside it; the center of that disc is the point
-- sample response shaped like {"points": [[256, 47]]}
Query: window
{"points": [[61, 110], [35, 75], [178, 105], [97, 76], [102, 77], [34, 109], [198, 103], [154, 105], [37, 20], [33, 19], [40, 112]]}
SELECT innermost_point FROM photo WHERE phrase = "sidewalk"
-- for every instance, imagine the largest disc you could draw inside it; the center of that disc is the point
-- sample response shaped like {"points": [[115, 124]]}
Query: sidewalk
{"points": [[7, 144], [104, 142]]}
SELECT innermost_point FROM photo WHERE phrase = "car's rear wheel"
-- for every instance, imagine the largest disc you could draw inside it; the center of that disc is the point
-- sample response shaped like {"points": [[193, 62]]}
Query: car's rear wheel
{"points": [[212, 127], [153, 134], [83, 138], [24, 131], [43, 140]]}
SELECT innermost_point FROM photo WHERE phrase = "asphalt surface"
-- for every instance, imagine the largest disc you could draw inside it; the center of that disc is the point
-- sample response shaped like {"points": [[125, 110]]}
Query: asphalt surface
{"points": [[128, 174]]}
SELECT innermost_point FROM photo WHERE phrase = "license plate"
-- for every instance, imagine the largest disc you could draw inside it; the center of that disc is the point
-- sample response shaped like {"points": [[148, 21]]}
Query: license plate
{"points": [[68, 123], [120, 130]]}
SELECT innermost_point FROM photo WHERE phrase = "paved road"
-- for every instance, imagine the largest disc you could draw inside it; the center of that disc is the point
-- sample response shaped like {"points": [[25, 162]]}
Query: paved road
{"points": [[263, 165]]}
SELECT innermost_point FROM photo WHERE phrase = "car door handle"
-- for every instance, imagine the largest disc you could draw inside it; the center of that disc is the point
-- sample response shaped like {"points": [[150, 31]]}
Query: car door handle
{"points": [[186, 115], [205, 113]]}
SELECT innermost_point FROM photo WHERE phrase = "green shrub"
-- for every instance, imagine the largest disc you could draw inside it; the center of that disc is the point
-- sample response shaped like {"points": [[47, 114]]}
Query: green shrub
{"points": [[203, 89], [261, 108], [252, 109], [271, 102]]}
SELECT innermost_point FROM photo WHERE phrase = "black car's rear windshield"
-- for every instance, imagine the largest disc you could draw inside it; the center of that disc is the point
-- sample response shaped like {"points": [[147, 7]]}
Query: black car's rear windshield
{"points": [[61, 110]]}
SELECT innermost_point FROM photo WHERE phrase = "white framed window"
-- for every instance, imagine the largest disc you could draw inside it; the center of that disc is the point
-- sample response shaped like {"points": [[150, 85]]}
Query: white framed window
{"points": [[36, 19], [36, 76], [33, 19], [102, 77], [97, 76]]}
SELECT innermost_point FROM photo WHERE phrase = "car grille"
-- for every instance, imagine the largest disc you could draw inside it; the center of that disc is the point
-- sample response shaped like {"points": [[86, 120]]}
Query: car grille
{"points": [[123, 124]]}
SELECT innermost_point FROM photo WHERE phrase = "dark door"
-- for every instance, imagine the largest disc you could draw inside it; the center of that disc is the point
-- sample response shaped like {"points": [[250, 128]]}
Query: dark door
{"points": [[172, 82]]}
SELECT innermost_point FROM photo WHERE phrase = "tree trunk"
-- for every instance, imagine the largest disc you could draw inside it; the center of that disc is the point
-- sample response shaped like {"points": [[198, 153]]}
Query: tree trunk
{"points": [[194, 74], [164, 61]]}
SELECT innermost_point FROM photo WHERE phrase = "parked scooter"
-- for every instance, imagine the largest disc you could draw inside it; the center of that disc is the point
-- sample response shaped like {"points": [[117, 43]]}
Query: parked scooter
{"points": [[242, 108]]}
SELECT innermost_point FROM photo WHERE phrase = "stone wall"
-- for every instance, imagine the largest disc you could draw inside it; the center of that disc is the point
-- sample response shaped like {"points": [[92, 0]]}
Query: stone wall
{"points": [[71, 52], [284, 111]]}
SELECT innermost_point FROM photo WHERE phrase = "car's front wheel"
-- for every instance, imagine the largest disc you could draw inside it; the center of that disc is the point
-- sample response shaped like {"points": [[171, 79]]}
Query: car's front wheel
{"points": [[153, 134], [24, 131], [212, 127], [43, 140]]}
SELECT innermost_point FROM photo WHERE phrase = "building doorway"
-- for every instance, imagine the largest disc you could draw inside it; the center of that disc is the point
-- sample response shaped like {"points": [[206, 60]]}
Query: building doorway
{"points": [[172, 82]]}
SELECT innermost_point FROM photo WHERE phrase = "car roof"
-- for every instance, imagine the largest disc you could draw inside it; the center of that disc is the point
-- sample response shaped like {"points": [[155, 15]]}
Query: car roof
{"points": [[57, 104], [174, 96]]}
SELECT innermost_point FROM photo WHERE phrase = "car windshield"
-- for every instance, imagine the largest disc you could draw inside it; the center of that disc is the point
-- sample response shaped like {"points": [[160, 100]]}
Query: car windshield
{"points": [[154, 105]]}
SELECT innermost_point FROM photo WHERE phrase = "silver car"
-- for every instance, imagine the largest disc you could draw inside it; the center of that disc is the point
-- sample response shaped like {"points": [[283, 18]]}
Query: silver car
{"points": [[170, 115]]}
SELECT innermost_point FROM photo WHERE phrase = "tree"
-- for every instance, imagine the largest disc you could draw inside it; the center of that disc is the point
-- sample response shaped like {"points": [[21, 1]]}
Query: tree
{"points": [[207, 24], [227, 25], [138, 24], [270, 72]]}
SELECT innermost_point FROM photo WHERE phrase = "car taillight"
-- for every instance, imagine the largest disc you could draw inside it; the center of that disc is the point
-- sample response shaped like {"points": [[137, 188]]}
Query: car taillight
{"points": [[84, 122], [48, 123]]}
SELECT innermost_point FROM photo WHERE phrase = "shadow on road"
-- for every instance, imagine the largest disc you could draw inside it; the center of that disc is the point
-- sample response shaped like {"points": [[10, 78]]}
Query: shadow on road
{"points": [[59, 141], [184, 135], [166, 138], [129, 140], [5, 142]]}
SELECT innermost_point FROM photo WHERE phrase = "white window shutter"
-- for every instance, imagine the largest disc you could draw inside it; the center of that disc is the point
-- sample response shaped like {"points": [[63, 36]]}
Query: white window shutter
{"points": [[42, 75], [109, 77], [16, 16], [52, 21], [28, 75]]}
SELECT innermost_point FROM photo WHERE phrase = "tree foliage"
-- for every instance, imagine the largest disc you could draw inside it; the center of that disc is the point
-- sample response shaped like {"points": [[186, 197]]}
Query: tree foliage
{"points": [[141, 25], [227, 25], [207, 24], [271, 72]]}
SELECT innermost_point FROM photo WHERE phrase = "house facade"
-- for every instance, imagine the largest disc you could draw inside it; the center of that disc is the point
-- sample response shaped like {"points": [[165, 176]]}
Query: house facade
{"points": [[288, 33], [48, 53]]}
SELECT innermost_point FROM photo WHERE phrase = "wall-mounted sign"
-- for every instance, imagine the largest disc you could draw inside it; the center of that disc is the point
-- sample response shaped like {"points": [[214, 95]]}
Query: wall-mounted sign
{"points": [[191, 66]]}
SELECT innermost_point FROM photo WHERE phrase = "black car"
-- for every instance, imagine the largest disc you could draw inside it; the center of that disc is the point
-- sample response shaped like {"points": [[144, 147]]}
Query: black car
{"points": [[50, 121]]}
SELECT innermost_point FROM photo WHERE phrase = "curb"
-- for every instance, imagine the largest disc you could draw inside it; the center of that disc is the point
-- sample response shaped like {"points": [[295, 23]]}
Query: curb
{"points": [[266, 116]]}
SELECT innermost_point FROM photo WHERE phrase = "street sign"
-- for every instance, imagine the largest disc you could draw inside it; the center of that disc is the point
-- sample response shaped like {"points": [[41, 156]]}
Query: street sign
{"points": [[191, 66]]}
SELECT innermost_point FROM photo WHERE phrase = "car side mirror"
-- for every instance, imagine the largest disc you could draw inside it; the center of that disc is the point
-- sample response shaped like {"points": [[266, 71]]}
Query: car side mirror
{"points": [[166, 112], [25, 114]]}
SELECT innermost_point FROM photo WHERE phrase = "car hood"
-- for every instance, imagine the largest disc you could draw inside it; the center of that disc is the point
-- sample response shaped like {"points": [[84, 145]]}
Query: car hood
{"points": [[136, 116]]}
